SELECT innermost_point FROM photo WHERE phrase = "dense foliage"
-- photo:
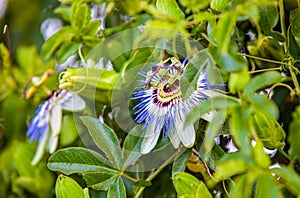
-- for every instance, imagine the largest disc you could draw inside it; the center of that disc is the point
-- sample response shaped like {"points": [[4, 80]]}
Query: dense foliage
{"points": [[107, 55]]}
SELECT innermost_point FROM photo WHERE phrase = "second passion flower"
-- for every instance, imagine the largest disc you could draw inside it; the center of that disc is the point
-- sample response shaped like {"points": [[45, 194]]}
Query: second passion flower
{"points": [[162, 107]]}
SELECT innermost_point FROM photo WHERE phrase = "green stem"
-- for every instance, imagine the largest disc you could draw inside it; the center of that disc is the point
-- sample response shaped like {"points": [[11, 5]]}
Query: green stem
{"points": [[151, 177], [282, 23], [283, 85], [129, 177], [284, 154], [263, 59], [295, 81], [264, 70]]}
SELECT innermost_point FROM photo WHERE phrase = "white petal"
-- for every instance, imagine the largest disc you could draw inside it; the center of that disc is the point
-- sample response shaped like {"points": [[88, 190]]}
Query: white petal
{"points": [[40, 150], [55, 120], [73, 103], [52, 143], [187, 136], [174, 139], [151, 136], [208, 116]]}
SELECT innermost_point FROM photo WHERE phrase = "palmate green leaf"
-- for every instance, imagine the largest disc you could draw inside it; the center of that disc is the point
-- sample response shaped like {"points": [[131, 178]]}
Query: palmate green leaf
{"points": [[51, 45], [185, 184], [66, 187], [131, 146], [79, 160], [294, 24], [105, 139], [117, 190], [99, 180], [215, 103], [294, 134], [262, 81], [171, 8]]}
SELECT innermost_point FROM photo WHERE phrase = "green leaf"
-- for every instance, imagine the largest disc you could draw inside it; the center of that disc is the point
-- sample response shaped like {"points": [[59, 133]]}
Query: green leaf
{"points": [[213, 129], [223, 30], [22, 159], [240, 128], [260, 157], [268, 20], [265, 105], [66, 187], [105, 138], [180, 160], [289, 177], [219, 102], [78, 160], [171, 8], [266, 187], [99, 180], [55, 41], [218, 5], [202, 191], [132, 145], [64, 12], [231, 164], [81, 15], [262, 81], [294, 24], [185, 184], [68, 132], [228, 61], [117, 190], [67, 49], [244, 185], [268, 130], [190, 76], [294, 134], [238, 80]]}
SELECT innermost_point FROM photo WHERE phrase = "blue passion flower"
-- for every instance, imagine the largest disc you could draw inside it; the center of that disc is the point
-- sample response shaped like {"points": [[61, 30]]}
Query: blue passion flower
{"points": [[46, 124], [162, 107]]}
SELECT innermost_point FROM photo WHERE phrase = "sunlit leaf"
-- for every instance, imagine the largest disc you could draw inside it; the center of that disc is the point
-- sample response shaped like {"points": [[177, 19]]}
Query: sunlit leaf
{"points": [[171, 8], [185, 183], [262, 81], [66, 187]]}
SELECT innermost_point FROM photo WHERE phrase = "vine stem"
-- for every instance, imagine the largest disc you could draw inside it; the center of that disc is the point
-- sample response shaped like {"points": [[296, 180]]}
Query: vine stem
{"points": [[151, 177], [282, 24], [129, 177]]}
